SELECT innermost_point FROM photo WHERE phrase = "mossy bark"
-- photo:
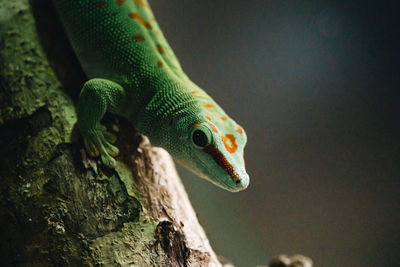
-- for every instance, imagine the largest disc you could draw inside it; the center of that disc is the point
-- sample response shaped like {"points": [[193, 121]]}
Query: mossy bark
{"points": [[58, 207]]}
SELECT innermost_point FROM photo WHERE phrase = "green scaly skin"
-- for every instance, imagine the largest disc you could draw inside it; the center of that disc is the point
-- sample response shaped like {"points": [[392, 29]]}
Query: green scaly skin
{"points": [[134, 73]]}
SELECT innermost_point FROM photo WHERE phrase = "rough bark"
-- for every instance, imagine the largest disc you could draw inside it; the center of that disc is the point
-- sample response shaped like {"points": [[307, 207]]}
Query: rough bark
{"points": [[58, 207]]}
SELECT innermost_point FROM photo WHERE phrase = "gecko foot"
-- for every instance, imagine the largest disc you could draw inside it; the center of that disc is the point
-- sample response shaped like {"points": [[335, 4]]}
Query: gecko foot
{"points": [[98, 143]]}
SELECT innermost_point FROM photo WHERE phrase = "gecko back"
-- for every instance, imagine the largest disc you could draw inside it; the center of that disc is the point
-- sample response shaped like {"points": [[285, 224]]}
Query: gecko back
{"points": [[116, 38]]}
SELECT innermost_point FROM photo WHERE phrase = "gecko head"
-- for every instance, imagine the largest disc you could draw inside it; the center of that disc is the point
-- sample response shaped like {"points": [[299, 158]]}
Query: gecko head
{"points": [[214, 151]]}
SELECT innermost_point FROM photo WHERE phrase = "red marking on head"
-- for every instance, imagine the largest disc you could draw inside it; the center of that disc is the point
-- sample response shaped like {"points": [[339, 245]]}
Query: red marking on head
{"points": [[208, 105], [214, 128], [194, 92], [196, 124], [160, 49], [160, 64], [142, 3], [120, 2], [220, 159], [139, 18], [224, 118], [239, 129], [229, 143], [101, 4], [207, 117], [138, 37]]}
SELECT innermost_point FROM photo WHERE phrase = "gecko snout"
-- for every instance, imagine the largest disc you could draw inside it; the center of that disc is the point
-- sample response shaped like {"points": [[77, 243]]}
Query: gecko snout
{"points": [[242, 182]]}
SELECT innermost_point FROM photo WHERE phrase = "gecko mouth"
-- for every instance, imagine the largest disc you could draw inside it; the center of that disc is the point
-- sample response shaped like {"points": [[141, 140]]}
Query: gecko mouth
{"points": [[217, 178], [220, 159]]}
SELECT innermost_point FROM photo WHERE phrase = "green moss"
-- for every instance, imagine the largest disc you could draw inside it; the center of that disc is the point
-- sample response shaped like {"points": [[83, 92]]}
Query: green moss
{"points": [[128, 246], [125, 174]]}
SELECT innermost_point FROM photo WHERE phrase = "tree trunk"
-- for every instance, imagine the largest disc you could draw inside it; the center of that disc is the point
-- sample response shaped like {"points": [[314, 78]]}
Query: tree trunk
{"points": [[58, 207]]}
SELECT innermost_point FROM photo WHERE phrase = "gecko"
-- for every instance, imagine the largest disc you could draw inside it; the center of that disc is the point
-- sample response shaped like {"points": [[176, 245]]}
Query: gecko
{"points": [[133, 72]]}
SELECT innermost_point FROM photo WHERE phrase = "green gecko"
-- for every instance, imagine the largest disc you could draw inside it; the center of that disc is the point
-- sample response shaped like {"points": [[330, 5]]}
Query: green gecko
{"points": [[134, 73]]}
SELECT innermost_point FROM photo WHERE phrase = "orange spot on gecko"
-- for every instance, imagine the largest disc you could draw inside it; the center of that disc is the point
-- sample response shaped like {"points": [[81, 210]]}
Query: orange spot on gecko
{"points": [[138, 37], [120, 2], [229, 143], [220, 159], [224, 118], [142, 3], [160, 49], [157, 32], [101, 4], [239, 129], [153, 19], [208, 105], [196, 124], [159, 64], [208, 118], [214, 128], [194, 92], [140, 20]]}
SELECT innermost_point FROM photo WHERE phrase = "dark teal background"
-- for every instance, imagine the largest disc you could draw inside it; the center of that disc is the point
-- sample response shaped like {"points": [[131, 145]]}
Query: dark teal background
{"points": [[315, 84]]}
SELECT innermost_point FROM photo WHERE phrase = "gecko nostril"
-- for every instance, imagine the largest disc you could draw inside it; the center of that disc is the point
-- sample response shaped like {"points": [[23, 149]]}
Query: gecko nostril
{"points": [[237, 181]]}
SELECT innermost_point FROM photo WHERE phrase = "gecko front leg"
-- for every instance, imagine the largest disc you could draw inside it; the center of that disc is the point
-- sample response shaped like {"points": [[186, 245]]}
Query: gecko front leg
{"points": [[97, 97]]}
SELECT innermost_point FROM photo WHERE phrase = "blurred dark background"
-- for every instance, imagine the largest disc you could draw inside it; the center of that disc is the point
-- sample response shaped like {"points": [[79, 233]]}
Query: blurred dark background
{"points": [[316, 86]]}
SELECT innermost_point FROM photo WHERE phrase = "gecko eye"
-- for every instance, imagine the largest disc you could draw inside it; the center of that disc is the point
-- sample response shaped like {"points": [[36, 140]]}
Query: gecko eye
{"points": [[201, 136]]}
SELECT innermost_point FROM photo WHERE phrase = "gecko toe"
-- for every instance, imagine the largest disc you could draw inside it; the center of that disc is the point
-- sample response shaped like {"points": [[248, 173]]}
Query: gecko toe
{"points": [[91, 148], [108, 147], [112, 138], [109, 161], [114, 151]]}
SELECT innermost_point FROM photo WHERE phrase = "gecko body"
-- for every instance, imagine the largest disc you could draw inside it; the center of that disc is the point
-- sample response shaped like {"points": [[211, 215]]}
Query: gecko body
{"points": [[134, 73]]}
